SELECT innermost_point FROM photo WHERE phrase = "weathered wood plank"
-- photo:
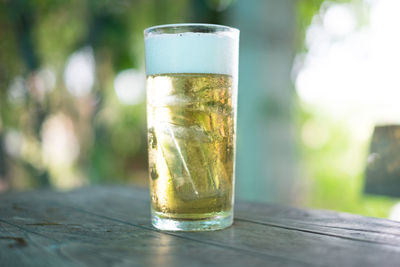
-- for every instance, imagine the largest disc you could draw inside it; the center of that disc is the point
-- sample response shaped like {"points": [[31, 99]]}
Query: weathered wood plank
{"points": [[307, 243], [95, 240], [347, 226], [331, 223], [22, 247], [323, 218], [115, 223], [326, 222], [310, 244]]}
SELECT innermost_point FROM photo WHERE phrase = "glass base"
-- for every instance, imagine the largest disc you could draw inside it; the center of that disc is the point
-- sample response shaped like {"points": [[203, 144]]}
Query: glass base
{"points": [[219, 221]]}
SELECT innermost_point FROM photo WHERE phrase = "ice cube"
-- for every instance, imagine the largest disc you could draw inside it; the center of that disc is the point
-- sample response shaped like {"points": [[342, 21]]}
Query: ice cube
{"points": [[190, 156]]}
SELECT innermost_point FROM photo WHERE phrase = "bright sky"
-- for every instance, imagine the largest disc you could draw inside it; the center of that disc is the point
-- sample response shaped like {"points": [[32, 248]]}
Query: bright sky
{"points": [[352, 71]]}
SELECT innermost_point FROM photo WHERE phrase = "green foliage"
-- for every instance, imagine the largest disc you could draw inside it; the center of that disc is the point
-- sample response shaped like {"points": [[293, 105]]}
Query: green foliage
{"points": [[333, 159], [334, 166], [38, 37], [306, 10]]}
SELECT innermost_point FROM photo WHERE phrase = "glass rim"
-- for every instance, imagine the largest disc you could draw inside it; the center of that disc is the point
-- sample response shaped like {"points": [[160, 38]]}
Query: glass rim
{"points": [[190, 27]]}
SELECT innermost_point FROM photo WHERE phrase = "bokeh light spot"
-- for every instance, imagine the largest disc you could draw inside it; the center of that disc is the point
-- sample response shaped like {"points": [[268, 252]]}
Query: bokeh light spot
{"points": [[129, 86], [79, 72]]}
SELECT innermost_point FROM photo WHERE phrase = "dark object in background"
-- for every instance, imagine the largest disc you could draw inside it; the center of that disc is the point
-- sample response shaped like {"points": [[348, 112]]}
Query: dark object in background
{"points": [[383, 162]]}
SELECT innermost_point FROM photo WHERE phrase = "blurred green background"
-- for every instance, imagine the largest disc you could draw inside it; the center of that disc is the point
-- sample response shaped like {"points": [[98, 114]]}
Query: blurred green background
{"points": [[315, 78]]}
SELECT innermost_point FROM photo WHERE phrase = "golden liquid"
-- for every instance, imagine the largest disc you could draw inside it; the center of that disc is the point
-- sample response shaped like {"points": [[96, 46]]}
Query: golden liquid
{"points": [[191, 124]]}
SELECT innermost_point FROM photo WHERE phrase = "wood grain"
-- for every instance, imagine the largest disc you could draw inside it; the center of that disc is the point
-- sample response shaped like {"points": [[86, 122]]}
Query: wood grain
{"points": [[110, 226]]}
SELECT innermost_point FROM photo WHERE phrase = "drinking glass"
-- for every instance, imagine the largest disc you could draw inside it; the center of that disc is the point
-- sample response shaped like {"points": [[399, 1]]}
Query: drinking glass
{"points": [[191, 84]]}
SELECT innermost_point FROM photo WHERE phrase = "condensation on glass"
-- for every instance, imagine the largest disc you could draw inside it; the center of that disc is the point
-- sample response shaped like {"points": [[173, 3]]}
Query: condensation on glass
{"points": [[191, 117]]}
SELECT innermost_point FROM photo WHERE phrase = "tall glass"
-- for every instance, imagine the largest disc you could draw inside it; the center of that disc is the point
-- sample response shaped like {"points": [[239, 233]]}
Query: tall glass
{"points": [[191, 116]]}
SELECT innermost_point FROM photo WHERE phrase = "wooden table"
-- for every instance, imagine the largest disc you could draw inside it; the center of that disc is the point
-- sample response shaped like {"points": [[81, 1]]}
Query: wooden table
{"points": [[110, 226]]}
